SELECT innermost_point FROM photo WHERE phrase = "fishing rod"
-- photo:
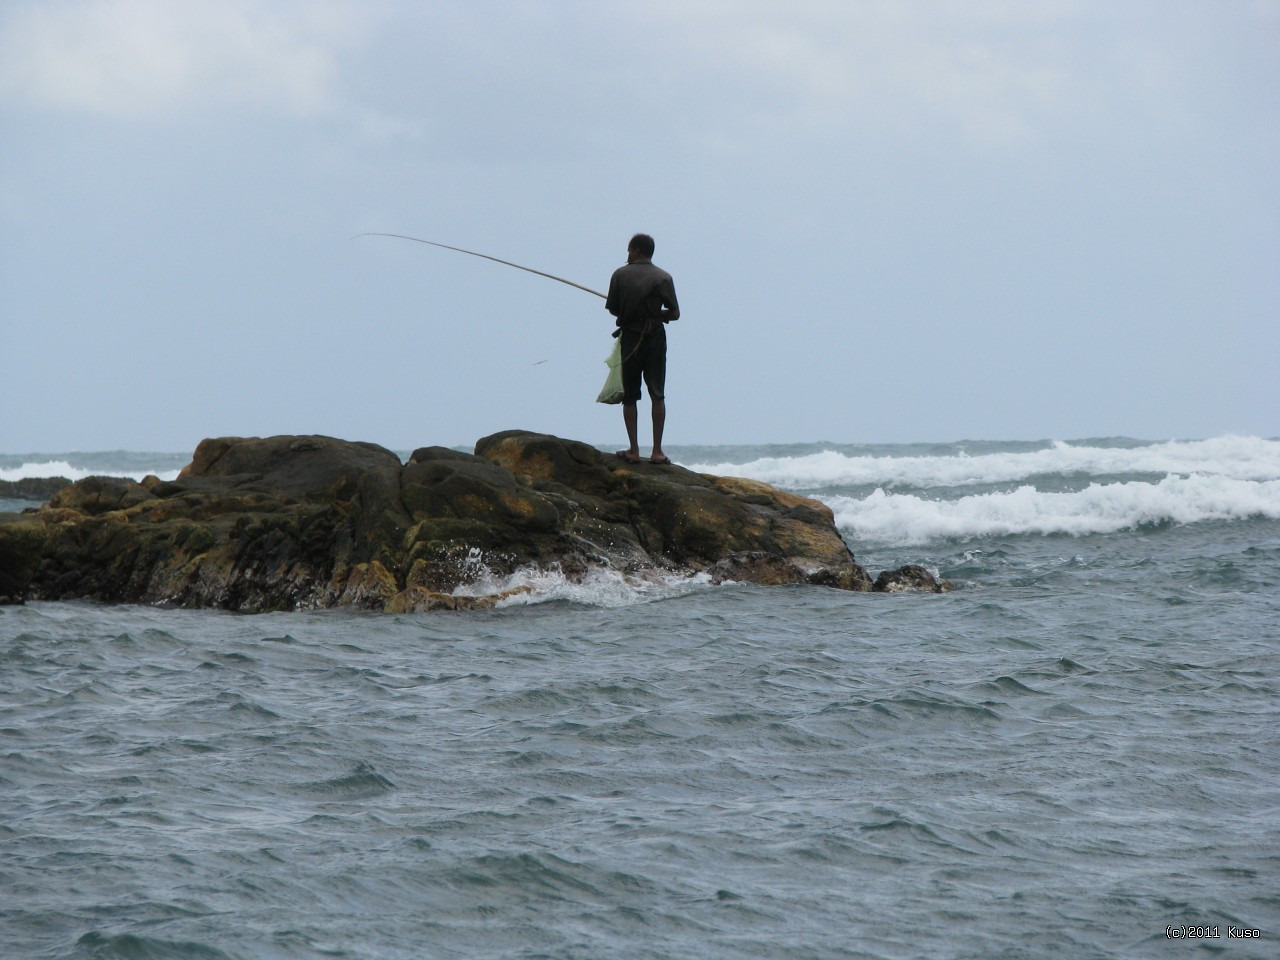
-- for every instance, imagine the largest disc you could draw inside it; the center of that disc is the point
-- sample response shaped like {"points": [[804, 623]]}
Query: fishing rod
{"points": [[432, 243]]}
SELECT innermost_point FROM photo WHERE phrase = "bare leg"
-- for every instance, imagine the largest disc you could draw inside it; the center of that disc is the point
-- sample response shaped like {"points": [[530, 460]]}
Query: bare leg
{"points": [[659, 422], [630, 419]]}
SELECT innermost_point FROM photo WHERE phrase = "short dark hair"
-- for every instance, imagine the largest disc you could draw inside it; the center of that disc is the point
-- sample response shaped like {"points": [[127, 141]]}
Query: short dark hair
{"points": [[642, 244]]}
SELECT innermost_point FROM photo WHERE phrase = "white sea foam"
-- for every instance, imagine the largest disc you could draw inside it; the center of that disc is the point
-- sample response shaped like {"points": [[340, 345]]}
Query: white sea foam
{"points": [[601, 587], [61, 468], [1099, 508], [1240, 458]]}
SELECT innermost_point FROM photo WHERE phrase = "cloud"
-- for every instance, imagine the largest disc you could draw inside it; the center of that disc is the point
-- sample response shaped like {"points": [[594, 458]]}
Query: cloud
{"points": [[140, 59], [988, 73]]}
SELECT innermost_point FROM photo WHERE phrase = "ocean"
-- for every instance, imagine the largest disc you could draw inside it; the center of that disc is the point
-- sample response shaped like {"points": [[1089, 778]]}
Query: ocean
{"points": [[1075, 754]]}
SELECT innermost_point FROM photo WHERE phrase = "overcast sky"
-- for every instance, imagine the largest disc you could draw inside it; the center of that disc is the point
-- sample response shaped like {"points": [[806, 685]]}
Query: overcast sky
{"points": [[887, 221]]}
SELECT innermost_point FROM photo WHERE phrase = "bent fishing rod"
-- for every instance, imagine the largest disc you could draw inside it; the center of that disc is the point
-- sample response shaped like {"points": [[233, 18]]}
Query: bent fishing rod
{"points": [[432, 243]]}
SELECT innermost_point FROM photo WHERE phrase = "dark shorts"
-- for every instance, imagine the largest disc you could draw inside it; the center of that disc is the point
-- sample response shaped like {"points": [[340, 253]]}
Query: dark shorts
{"points": [[647, 361]]}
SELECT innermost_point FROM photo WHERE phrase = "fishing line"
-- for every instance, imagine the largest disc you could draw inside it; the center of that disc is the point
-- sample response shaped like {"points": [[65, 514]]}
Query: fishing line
{"points": [[432, 243]]}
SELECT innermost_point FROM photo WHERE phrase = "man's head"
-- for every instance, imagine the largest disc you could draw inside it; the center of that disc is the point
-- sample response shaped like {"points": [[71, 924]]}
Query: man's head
{"points": [[641, 246]]}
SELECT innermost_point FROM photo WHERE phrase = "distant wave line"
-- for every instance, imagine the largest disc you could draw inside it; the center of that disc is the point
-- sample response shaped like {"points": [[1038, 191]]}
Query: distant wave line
{"points": [[61, 468], [1241, 458]]}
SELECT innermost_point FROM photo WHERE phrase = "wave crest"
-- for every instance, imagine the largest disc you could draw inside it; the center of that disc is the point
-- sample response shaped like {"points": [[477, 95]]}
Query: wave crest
{"points": [[600, 587]]}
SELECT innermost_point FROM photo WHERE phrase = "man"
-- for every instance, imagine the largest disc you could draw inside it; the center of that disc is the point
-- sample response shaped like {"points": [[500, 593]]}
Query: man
{"points": [[643, 299]]}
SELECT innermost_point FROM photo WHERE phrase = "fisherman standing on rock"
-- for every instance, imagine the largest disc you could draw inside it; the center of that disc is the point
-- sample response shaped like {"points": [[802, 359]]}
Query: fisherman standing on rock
{"points": [[643, 299]]}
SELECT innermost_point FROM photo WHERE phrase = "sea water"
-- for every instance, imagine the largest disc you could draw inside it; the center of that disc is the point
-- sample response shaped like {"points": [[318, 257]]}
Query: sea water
{"points": [[1074, 754]]}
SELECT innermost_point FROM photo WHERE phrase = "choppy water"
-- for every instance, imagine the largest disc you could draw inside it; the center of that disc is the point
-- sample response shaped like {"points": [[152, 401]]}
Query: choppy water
{"points": [[1074, 751]]}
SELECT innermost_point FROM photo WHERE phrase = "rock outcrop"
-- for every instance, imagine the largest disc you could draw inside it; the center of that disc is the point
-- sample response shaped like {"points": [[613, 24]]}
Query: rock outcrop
{"points": [[285, 523], [32, 488]]}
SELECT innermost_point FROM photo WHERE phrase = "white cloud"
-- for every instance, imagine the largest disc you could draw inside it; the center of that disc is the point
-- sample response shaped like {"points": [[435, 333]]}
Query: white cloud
{"points": [[146, 58], [994, 72]]}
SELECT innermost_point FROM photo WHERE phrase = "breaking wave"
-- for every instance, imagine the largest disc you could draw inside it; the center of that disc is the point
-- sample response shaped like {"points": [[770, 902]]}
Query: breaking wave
{"points": [[1099, 508], [1061, 488]]}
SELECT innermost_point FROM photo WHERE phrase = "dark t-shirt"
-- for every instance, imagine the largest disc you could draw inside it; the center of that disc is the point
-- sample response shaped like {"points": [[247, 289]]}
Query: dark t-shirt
{"points": [[640, 292]]}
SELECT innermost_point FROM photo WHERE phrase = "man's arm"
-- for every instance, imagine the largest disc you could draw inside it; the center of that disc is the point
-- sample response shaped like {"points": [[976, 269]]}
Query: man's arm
{"points": [[670, 306], [611, 302]]}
